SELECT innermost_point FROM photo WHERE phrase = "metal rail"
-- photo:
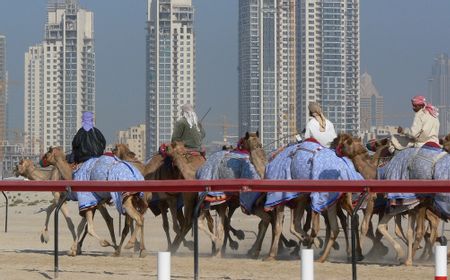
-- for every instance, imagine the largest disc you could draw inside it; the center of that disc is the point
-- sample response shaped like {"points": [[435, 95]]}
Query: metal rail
{"points": [[232, 185]]}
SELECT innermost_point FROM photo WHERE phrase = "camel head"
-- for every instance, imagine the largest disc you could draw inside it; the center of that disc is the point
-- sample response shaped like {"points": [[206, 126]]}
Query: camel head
{"points": [[54, 154], [340, 139], [176, 148], [123, 152], [351, 147], [252, 144], [446, 143], [22, 167]]}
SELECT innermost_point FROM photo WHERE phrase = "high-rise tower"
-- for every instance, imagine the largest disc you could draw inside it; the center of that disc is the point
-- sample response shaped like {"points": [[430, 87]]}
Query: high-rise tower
{"points": [[372, 104], [439, 90], [3, 92], [60, 77], [328, 61], [170, 67], [267, 69]]}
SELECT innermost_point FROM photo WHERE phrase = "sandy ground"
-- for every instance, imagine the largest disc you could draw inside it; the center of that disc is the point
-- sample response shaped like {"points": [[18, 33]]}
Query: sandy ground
{"points": [[23, 256]]}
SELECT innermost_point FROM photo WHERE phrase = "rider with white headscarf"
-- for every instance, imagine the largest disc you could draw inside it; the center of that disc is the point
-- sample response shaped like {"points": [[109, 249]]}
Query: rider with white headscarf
{"points": [[188, 129], [319, 127]]}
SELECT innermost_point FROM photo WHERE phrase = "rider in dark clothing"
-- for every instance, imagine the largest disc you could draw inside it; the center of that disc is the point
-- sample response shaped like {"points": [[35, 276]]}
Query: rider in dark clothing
{"points": [[89, 142], [188, 129]]}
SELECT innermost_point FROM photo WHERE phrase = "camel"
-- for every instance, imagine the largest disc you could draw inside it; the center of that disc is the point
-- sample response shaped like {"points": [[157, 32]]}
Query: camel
{"points": [[416, 216], [157, 170], [229, 165], [99, 169], [27, 169]]}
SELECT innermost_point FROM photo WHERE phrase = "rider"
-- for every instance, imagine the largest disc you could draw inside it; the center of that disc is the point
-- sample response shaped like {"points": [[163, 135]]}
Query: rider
{"points": [[188, 129], [89, 141], [425, 127], [318, 127]]}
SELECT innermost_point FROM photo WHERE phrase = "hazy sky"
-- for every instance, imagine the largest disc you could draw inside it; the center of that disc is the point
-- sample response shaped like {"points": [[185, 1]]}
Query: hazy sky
{"points": [[399, 40]]}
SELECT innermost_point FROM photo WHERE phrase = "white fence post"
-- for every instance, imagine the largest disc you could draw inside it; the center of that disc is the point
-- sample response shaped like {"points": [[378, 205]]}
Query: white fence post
{"points": [[307, 264], [441, 263], [163, 265]]}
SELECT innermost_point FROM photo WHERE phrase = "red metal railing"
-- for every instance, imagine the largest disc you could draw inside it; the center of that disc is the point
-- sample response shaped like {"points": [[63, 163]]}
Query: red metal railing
{"points": [[236, 185], [232, 185]]}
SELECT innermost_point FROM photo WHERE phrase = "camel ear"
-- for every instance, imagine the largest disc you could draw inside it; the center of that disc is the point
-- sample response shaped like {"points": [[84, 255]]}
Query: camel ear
{"points": [[247, 135], [257, 133]]}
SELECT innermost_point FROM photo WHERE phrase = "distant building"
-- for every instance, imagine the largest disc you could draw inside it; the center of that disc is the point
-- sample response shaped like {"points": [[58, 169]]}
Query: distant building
{"points": [[170, 67], [267, 70], [13, 153], [439, 90], [379, 132], [134, 137], [372, 104], [59, 77], [328, 57], [3, 92]]}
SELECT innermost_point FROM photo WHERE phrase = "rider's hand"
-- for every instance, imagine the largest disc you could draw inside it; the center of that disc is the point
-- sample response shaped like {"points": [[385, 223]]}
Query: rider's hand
{"points": [[400, 129]]}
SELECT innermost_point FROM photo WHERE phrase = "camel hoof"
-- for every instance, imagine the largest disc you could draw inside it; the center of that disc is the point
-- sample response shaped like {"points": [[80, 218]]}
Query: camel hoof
{"points": [[234, 245], [336, 246], [269, 258], [116, 253], [44, 236], [142, 253], [291, 243], [240, 235], [105, 243], [408, 263], [189, 245], [137, 246], [320, 260], [254, 254], [129, 245], [71, 253]]}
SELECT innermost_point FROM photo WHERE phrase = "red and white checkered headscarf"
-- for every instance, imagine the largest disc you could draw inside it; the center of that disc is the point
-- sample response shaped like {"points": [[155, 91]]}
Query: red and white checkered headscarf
{"points": [[420, 100]]}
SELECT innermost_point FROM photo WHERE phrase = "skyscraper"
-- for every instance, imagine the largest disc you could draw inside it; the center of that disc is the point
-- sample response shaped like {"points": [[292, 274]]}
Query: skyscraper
{"points": [[170, 67], [372, 104], [3, 100], [267, 69], [60, 77], [3, 92], [328, 61], [439, 90]]}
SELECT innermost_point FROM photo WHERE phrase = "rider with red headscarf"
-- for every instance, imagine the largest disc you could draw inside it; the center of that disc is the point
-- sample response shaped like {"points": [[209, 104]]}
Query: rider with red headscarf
{"points": [[425, 127]]}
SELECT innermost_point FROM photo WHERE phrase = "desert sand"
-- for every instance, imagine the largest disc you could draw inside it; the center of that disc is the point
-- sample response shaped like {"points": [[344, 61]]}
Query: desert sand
{"points": [[23, 256]]}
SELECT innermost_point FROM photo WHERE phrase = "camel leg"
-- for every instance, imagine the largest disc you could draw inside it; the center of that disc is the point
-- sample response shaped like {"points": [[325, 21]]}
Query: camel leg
{"points": [[434, 222], [315, 222], [343, 220], [109, 223], [82, 232], [399, 230], [411, 223], [277, 228], [189, 200], [220, 228], [382, 227], [91, 231], [262, 228], [203, 225], [65, 211], [420, 230], [334, 231], [368, 213], [139, 221], [296, 218], [165, 221], [125, 231]]}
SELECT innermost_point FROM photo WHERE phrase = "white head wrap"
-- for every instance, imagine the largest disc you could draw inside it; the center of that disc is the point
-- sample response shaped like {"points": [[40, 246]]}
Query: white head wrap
{"points": [[187, 111]]}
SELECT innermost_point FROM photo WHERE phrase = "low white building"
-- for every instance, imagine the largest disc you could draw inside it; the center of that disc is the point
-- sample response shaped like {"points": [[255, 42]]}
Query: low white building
{"points": [[134, 137]]}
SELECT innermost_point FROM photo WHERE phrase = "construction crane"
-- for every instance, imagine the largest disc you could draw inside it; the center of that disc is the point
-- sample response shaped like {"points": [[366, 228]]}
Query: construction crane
{"points": [[225, 125]]}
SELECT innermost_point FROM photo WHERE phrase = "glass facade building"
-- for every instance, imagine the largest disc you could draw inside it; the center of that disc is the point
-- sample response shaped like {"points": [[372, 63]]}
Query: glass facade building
{"points": [[170, 67], [328, 51], [60, 77], [267, 70], [439, 91]]}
